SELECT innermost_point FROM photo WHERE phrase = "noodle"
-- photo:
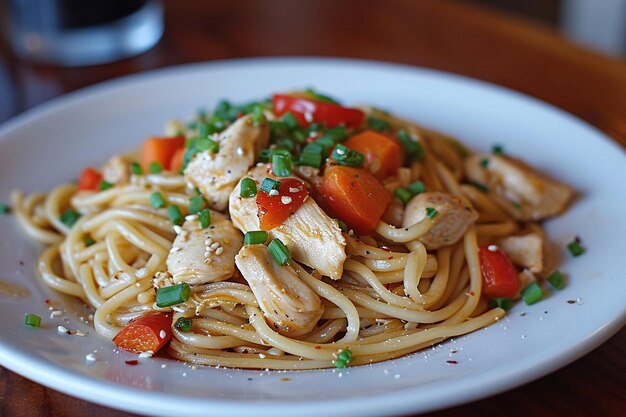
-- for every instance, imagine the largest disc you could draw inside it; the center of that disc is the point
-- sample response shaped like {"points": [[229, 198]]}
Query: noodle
{"points": [[396, 294]]}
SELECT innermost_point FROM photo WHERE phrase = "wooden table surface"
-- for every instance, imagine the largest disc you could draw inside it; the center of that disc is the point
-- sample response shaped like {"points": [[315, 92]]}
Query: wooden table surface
{"points": [[447, 35]]}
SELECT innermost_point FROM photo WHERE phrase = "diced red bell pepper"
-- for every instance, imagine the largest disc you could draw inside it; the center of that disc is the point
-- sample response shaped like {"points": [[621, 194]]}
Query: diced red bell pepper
{"points": [[274, 209], [499, 275], [89, 180], [307, 111]]}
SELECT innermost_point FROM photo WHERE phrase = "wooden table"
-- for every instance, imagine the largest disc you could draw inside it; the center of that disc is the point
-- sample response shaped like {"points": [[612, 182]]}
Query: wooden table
{"points": [[447, 35]]}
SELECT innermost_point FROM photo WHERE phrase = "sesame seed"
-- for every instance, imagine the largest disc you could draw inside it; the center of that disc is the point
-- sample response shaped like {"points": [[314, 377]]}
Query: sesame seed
{"points": [[295, 189], [90, 357], [164, 365], [191, 217], [141, 273], [208, 241], [62, 329], [56, 313], [285, 199], [174, 249], [146, 354], [340, 151], [215, 245], [239, 151], [207, 254], [162, 334], [308, 116], [219, 250], [492, 248], [273, 193]]}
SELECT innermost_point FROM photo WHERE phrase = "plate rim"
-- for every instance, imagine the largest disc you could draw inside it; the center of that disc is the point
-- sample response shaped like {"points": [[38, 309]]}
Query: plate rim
{"points": [[87, 388]]}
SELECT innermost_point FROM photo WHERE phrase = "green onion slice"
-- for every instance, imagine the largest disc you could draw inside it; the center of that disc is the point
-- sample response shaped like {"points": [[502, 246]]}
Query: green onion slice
{"points": [[205, 218], [378, 124], [270, 184], [136, 169], [348, 157], [403, 195], [157, 200], [416, 188], [172, 295], [281, 165], [155, 168], [69, 217], [532, 293], [413, 149], [196, 204], [310, 159], [175, 215], [497, 150], [4, 209], [503, 303], [184, 324], [557, 280], [255, 237], [279, 251], [575, 248], [431, 212], [88, 241], [32, 320], [482, 187], [248, 188], [206, 144], [105, 185], [290, 121]]}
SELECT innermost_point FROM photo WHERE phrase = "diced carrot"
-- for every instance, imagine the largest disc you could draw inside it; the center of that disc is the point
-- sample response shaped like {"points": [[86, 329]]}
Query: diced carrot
{"points": [[383, 154], [89, 180], [150, 331], [355, 196], [177, 159], [160, 150]]}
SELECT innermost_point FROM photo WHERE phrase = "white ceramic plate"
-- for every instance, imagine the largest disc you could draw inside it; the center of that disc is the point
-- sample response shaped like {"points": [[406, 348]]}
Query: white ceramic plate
{"points": [[53, 142]]}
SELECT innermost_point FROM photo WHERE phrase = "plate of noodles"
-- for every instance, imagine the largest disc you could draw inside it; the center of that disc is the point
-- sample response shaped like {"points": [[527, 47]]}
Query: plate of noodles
{"points": [[310, 236]]}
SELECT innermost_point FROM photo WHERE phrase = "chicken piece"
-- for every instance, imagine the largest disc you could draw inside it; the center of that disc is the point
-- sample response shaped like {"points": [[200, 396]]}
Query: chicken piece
{"points": [[517, 188], [525, 251], [289, 305], [199, 256], [312, 237], [216, 174], [116, 170], [453, 218]]}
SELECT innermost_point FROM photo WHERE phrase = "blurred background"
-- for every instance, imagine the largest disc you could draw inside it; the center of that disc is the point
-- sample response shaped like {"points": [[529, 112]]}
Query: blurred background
{"points": [[50, 47]]}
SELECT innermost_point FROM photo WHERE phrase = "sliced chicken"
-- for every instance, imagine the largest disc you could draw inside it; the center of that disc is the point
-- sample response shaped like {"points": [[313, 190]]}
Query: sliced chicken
{"points": [[199, 256], [453, 218], [525, 251], [289, 305], [517, 188], [312, 237], [216, 174], [116, 170]]}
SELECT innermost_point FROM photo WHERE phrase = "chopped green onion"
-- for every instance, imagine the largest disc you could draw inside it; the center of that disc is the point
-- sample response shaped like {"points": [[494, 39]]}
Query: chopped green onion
{"points": [[270, 184], [284, 144], [265, 155], [248, 188], [279, 251], [348, 157], [557, 280], [503, 303], [156, 200], [136, 168], [313, 147], [320, 97], [343, 226], [88, 241], [310, 159], [281, 165], [205, 218], [184, 324], [196, 204], [257, 114], [69, 217], [155, 167], [290, 121], [203, 130], [105, 185], [532, 293], [403, 195], [326, 143], [431, 212], [343, 358], [299, 135], [337, 133], [4, 209], [175, 215], [412, 148], [484, 162], [497, 150], [255, 237], [482, 187], [378, 124], [32, 320], [575, 248], [206, 144], [172, 295], [416, 188]]}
